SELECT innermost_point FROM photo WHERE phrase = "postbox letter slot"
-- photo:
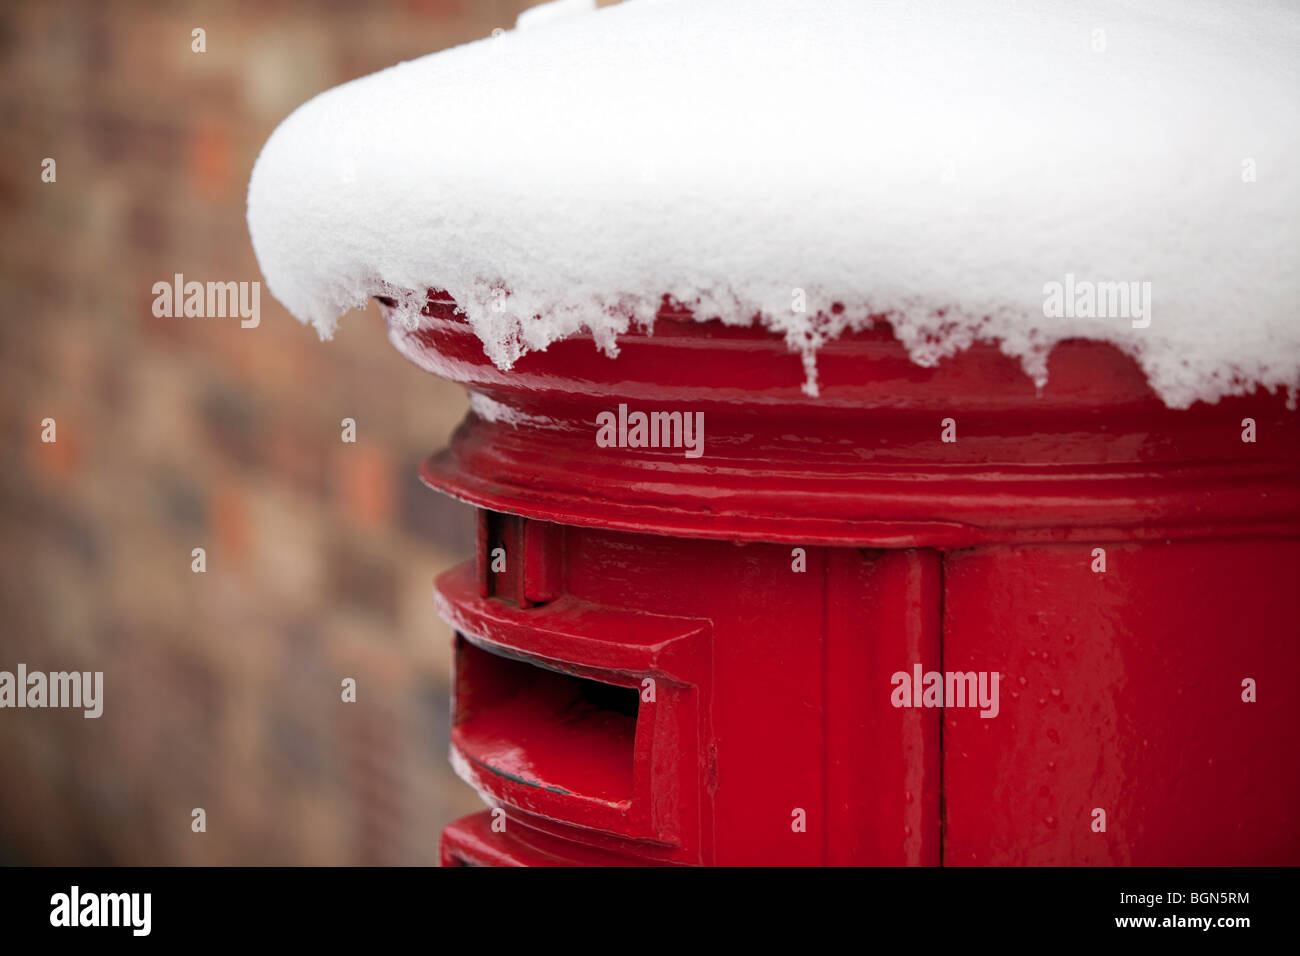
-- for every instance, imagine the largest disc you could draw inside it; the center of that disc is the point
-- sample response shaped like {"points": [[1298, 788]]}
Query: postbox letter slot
{"points": [[543, 728]]}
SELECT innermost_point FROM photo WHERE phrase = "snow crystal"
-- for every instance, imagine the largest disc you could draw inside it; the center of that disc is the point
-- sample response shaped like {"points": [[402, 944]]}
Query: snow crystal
{"points": [[956, 167]]}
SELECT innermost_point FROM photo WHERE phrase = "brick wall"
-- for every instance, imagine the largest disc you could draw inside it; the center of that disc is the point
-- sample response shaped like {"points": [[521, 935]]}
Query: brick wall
{"points": [[222, 689]]}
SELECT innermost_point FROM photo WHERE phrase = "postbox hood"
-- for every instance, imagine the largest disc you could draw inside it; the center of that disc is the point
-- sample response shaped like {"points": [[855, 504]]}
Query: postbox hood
{"points": [[1022, 173]]}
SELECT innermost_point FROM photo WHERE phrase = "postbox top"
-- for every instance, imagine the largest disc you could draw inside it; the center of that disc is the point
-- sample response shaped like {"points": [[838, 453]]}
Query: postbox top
{"points": [[991, 170]]}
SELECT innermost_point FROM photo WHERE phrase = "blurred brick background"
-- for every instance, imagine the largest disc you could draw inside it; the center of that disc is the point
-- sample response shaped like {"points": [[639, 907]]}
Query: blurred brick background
{"points": [[222, 690]]}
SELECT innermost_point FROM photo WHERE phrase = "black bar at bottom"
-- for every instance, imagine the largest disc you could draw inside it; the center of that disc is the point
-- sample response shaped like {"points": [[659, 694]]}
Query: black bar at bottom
{"points": [[333, 907]]}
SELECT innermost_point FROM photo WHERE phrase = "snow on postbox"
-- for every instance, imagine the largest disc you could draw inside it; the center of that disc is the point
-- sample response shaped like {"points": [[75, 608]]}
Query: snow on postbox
{"points": [[882, 425]]}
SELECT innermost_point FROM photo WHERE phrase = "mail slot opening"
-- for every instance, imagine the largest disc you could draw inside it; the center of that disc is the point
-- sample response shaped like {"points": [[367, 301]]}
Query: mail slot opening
{"points": [[541, 727]]}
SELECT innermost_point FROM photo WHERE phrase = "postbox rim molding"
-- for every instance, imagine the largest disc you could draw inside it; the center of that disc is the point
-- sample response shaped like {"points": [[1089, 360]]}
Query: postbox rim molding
{"points": [[1094, 456], [726, 364], [1231, 512]]}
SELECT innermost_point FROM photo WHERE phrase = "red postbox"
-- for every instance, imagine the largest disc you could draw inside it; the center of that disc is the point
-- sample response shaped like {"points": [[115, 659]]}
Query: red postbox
{"points": [[671, 659]]}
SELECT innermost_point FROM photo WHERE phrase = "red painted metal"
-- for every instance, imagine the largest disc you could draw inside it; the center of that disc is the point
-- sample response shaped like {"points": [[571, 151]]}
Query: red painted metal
{"points": [[771, 587], [1125, 695]]}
